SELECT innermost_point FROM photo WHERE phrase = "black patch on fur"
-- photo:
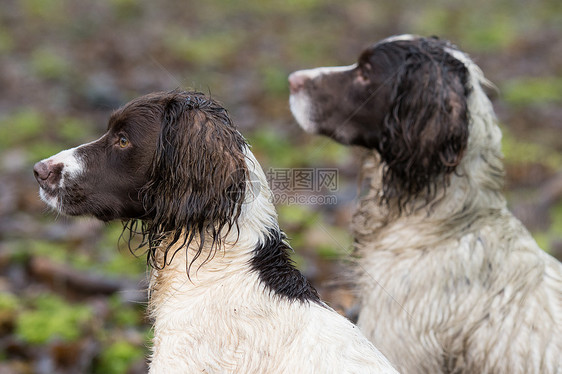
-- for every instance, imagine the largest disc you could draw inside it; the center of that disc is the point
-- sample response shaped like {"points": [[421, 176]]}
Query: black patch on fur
{"points": [[277, 272]]}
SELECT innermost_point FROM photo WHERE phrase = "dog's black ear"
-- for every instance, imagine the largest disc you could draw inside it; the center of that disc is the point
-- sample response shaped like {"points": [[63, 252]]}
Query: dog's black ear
{"points": [[198, 177], [426, 129]]}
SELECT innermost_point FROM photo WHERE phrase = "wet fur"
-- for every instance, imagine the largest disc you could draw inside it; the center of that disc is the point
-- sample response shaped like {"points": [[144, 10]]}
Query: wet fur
{"points": [[179, 202], [449, 281]]}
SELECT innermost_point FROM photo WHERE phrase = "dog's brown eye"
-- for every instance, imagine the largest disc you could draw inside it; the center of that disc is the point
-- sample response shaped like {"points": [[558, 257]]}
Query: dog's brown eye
{"points": [[123, 142], [362, 77]]}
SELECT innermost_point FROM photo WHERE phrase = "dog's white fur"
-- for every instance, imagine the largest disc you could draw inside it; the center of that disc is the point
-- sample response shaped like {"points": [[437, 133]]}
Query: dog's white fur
{"points": [[224, 320], [73, 166], [459, 286]]}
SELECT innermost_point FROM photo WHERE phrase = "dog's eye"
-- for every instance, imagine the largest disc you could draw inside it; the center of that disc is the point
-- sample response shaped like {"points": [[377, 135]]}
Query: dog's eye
{"points": [[123, 142], [362, 72], [362, 77]]}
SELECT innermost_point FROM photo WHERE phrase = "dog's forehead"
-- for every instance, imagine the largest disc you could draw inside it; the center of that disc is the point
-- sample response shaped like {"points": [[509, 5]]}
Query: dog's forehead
{"points": [[385, 54], [397, 38], [131, 115], [398, 41], [398, 45], [116, 120]]}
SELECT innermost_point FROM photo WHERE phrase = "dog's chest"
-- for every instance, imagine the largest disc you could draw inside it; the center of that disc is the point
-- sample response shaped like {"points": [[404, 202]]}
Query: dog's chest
{"points": [[229, 325]]}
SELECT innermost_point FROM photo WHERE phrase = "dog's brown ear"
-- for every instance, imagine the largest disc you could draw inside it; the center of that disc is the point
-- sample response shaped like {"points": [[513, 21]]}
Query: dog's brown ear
{"points": [[426, 128], [197, 182]]}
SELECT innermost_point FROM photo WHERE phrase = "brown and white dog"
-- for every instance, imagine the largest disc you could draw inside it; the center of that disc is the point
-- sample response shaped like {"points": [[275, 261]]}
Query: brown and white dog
{"points": [[224, 294], [449, 281]]}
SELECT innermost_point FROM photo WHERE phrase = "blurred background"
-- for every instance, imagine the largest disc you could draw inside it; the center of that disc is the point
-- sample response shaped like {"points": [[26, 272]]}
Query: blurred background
{"points": [[71, 297]]}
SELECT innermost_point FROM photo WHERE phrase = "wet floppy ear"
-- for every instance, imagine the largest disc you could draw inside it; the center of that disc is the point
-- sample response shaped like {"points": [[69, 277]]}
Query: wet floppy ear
{"points": [[198, 177], [426, 129]]}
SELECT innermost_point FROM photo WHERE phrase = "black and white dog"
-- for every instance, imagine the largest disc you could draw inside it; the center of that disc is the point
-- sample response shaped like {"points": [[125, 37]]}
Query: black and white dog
{"points": [[449, 281], [224, 294]]}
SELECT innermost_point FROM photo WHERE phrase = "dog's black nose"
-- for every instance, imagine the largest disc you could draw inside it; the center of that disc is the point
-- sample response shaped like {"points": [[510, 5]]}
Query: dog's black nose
{"points": [[296, 81], [47, 175], [41, 171]]}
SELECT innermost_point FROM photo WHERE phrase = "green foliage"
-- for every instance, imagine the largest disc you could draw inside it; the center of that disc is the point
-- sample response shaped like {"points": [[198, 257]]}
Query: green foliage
{"points": [[56, 252], [299, 261], [6, 41], [51, 11], [297, 215], [554, 233], [310, 51], [261, 8], [27, 127], [126, 9], [490, 32], [296, 219], [543, 240], [323, 151], [517, 151], [124, 264], [8, 302], [434, 21], [40, 149], [274, 80], [52, 318], [330, 242], [149, 337], [49, 64], [22, 126], [74, 130], [329, 252], [107, 259], [556, 217], [485, 27], [280, 149], [118, 259], [533, 91], [277, 146], [125, 315], [546, 11], [118, 357], [111, 235], [208, 49], [9, 305]]}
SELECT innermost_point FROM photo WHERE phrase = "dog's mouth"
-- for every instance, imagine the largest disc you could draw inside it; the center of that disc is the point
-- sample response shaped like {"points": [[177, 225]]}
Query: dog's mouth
{"points": [[51, 197], [68, 201]]}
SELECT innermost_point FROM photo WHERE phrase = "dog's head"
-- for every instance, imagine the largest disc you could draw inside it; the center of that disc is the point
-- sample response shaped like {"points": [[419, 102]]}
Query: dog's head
{"points": [[172, 159], [406, 98]]}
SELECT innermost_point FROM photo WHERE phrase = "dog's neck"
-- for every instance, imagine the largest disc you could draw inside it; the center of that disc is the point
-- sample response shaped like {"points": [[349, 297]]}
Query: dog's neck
{"points": [[192, 315], [195, 271], [473, 188], [227, 289]]}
